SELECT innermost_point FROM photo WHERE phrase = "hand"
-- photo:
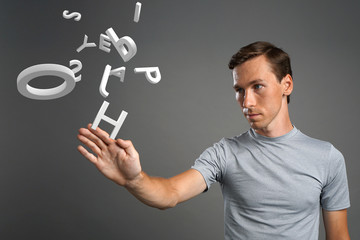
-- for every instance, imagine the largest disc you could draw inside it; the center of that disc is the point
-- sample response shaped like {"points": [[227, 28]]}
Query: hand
{"points": [[116, 159]]}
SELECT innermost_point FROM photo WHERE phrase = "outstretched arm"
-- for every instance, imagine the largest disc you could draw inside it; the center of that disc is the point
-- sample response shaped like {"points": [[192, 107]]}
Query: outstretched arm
{"points": [[119, 161]]}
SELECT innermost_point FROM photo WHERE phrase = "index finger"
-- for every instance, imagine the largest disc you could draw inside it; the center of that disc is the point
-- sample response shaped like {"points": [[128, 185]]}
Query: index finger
{"points": [[103, 135]]}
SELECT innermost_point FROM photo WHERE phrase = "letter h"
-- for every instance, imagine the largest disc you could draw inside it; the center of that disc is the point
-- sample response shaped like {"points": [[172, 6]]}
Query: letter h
{"points": [[101, 116]]}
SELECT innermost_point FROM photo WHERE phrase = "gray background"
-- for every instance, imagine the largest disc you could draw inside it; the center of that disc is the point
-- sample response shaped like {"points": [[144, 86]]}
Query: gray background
{"points": [[49, 191]]}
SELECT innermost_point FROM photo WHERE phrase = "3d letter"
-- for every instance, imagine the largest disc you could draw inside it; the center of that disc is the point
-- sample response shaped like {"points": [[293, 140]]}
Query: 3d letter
{"points": [[71, 15], [49, 69], [148, 71], [104, 81], [137, 12], [118, 72], [101, 116], [125, 45], [104, 43], [76, 69], [85, 44]]}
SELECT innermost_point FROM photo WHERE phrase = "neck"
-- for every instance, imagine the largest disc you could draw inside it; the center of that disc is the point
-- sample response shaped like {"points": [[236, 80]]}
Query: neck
{"points": [[277, 131], [280, 125]]}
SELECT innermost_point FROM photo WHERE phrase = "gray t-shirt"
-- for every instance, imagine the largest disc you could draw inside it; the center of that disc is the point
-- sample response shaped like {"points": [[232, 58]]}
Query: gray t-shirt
{"points": [[273, 188]]}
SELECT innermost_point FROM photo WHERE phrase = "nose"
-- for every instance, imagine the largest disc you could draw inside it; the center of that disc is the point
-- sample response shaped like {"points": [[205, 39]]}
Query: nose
{"points": [[248, 100]]}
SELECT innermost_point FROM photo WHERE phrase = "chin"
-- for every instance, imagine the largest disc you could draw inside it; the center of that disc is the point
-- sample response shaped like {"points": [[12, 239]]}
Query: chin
{"points": [[256, 125]]}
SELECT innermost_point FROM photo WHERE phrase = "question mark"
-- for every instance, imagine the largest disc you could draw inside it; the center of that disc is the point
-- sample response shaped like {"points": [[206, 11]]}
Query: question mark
{"points": [[71, 15]]}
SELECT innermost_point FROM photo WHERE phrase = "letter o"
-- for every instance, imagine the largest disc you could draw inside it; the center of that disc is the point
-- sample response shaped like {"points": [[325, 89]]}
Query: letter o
{"points": [[47, 69]]}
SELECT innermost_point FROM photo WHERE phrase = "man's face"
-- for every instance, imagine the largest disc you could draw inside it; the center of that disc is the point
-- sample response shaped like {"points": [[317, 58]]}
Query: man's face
{"points": [[260, 95]]}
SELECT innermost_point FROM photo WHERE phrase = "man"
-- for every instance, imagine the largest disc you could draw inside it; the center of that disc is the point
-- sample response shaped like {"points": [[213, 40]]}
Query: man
{"points": [[274, 178]]}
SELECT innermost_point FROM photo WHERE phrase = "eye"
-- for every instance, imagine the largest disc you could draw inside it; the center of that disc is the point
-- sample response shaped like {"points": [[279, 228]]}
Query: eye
{"points": [[258, 86], [239, 90]]}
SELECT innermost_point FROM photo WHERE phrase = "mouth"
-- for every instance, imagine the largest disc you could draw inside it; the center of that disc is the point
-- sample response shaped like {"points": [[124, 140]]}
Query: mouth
{"points": [[252, 115]]}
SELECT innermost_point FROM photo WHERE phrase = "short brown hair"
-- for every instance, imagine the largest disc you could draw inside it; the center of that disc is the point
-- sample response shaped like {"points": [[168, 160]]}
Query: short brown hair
{"points": [[278, 59]]}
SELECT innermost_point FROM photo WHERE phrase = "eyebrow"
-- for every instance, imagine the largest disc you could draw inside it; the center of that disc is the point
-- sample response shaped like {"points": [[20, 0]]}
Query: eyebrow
{"points": [[252, 82]]}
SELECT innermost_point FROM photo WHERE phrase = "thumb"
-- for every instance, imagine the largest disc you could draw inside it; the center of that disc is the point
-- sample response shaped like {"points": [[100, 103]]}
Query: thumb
{"points": [[127, 146]]}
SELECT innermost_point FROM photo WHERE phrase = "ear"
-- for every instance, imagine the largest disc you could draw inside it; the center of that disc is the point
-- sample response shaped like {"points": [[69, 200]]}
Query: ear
{"points": [[287, 84]]}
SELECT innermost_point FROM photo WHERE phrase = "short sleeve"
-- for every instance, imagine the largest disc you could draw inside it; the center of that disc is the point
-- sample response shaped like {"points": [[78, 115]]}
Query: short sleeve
{"points": [[211, 163], [335, 192]]}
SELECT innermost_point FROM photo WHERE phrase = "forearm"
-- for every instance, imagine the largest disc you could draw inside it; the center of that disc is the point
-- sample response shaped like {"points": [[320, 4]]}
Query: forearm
{"points": [[153, 191], [119, 161]]}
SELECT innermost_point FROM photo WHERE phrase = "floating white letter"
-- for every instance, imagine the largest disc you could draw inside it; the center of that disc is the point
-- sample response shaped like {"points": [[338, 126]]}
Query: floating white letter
{"points": [[120, 44], [46, 70], [101, 116], [85, 44], [118, 72], [148, 71]]}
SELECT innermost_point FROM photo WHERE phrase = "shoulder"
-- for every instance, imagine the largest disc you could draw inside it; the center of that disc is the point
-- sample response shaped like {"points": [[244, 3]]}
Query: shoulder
{"points": [[321, 148], [226, 146], [312, 144], [230, 142], [237, 140], [310, 140]]}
